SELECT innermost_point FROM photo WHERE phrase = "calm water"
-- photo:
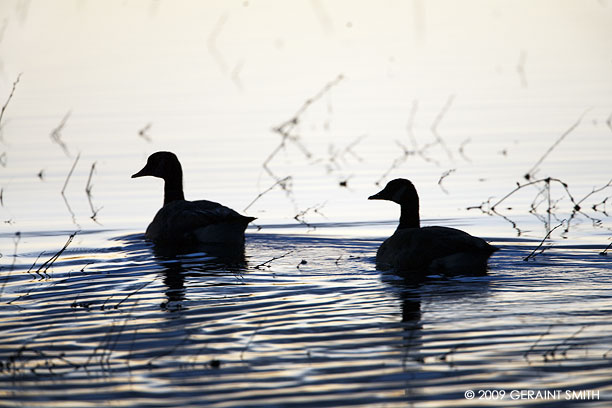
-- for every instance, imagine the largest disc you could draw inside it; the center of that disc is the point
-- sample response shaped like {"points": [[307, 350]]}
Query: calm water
{"points": [[457, 99]]}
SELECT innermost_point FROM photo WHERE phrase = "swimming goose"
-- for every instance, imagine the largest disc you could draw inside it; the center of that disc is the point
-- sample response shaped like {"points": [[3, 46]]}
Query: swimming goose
{"points": [[181, 223], [416, 252]]}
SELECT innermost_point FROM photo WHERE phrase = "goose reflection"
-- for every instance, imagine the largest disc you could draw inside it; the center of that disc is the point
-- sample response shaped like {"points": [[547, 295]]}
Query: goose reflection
{"points": [[415, 299], [203, 262]]}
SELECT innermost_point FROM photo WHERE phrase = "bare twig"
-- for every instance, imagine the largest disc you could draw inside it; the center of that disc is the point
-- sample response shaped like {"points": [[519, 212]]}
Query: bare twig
{"points": [[283, 183], [349, 149], [143, 132], [299, 217], [286, 128], [88, 187], [521, 186], [529, 175], [66, 184], [595, 190], [443, 176], [462, 147], [395, 164], [9, 98], [436, 123], [537, 341], [287, 132], [595, 207], [267, 263], [47, 264], [70, 173], [605, 251], [533, 253], [553, 351], [56, 134], [132, 293], [294, 120]]}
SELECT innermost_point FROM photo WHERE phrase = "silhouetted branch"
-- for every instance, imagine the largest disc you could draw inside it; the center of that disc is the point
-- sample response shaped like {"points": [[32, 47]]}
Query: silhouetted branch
{"points": [[56, 134], [544, 196], [286, 128], [462, 147], [66, 184], [267, 263], [595, 190], [70, 173], [605, 251], [416, 150], [443, 176], [436, 122], [47, 264], [349, 149], [595, 207], [521, 186], [396, 163], [88, 187], [9, 99], [553, 351], [143, 132], [283, 183], [286, 131], [485, 207], [131, 294], [337, 157], [537, 341], [533, 253], [531, 172], [299, 217]]}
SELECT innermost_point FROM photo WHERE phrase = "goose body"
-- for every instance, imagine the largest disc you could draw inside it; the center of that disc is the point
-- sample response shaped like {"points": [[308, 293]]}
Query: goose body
{"points": [[182, 223], [416, 252]]}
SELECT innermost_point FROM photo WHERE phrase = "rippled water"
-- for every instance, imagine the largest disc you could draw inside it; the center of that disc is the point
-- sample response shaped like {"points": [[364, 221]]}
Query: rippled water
{"points": [[318, 325], [92, 315]]}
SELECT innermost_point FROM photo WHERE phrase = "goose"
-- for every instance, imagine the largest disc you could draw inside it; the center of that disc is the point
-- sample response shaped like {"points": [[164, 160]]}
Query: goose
{"points": [[415, 251], [181, 223]]}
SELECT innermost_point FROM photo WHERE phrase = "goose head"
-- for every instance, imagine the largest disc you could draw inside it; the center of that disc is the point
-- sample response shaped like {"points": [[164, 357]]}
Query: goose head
{"points": [[402, 192], [164, 165]]}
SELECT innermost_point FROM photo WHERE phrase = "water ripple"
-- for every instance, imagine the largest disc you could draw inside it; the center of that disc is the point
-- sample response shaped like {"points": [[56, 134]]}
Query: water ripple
{"points": [[120, 325]]}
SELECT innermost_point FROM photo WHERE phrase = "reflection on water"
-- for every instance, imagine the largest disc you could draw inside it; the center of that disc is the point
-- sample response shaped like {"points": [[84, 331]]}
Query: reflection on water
{"points": [[308, 328]]}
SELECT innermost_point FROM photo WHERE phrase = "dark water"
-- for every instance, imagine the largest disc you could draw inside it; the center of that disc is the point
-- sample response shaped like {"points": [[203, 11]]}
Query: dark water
{"points": [[118, 325]]}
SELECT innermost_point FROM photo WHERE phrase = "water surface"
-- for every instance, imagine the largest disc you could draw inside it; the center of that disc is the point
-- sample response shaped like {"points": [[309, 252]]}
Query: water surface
{"points": [[464, 100]]}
